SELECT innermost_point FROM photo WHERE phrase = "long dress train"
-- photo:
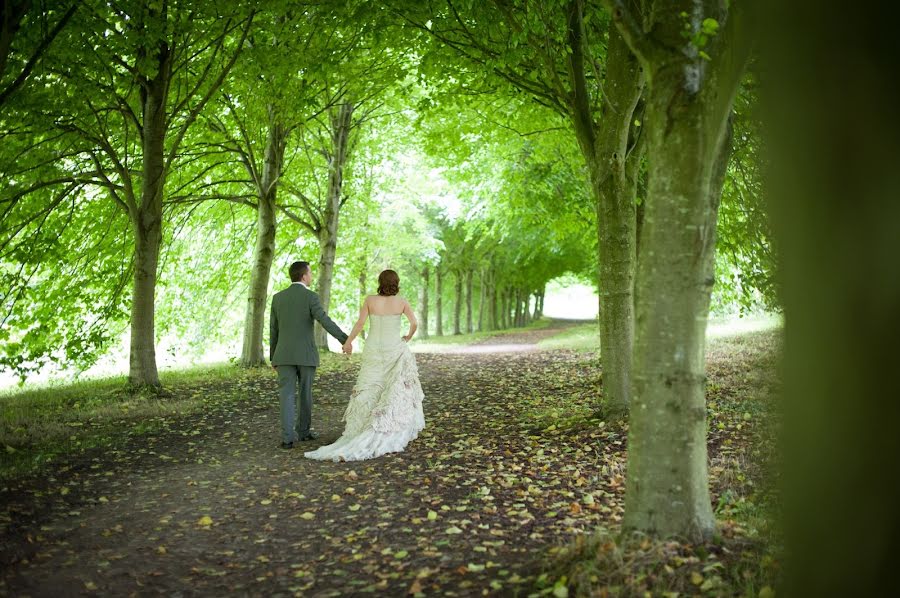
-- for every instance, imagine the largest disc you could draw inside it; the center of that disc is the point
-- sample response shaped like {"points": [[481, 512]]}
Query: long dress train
{"points": [[385, 409]]}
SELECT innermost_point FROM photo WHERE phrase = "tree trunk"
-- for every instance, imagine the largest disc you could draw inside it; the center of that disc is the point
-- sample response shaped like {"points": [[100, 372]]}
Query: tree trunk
{"points": [[147, 225], [254, 322], [439, 301], [363, 291], [504, 308], [606, 151], [469, 326], [148, 238], [834, 134], [688, 103], [493, 319], [423, 304], [458, 301], [482, 284], [340, 140], [517, 311]]}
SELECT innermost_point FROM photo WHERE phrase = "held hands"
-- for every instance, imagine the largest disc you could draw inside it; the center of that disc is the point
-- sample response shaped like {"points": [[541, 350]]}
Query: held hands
{"points": [[407, 337], [347, 347]]}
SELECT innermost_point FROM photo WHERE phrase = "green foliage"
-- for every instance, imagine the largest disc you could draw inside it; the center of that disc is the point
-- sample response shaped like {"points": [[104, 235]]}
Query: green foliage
{"points": [[454, 162]]}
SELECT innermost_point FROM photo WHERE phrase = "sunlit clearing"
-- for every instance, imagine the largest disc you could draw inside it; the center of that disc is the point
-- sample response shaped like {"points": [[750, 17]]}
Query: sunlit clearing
{"points": [[568, 298]]}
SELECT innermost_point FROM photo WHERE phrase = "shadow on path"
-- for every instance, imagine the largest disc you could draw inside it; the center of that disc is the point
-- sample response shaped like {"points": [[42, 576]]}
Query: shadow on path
{"points": [[212, 506]]}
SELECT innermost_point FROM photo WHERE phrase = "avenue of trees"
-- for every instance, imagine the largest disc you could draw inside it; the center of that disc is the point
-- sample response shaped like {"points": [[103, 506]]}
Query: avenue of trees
{"points": [[163, 162]]}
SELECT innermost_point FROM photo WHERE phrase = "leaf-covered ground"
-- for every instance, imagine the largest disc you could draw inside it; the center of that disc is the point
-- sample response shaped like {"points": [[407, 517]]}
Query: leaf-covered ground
{"points": [[514, 463]]}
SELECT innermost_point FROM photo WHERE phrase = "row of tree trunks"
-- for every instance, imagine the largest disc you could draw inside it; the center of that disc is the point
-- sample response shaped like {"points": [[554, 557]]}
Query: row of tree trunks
{"points": [[498, 308]]}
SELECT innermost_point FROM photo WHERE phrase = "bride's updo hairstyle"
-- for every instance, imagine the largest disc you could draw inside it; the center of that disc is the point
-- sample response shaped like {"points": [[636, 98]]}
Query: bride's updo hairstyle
{"points": [[388, 283]]}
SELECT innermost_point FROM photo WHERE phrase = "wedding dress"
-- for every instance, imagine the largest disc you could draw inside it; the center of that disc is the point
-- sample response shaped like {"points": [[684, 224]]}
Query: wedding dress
{"points": [[385, 409]]}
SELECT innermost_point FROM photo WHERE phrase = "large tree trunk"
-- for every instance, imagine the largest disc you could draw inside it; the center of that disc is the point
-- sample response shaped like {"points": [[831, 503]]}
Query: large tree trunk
{"points": [[688, 145], [423, 304], [469, 327], [439, 301], [148, 238], [834, 131], [457, 303], [340, 141], [147, 224], [606, 151], [252, 353]]}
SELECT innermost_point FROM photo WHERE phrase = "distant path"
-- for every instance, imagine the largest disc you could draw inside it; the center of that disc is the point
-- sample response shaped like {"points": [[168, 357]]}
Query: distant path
{"points": [[214, 506]]}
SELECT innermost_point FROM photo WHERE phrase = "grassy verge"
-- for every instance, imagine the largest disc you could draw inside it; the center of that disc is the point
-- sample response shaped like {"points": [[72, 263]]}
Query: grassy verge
{"points": [[434, 344], [582, 338], [40, 424]]}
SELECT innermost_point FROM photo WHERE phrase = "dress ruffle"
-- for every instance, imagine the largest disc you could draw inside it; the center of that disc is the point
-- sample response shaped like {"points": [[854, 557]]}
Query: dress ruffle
{"points": [[385, 409]]}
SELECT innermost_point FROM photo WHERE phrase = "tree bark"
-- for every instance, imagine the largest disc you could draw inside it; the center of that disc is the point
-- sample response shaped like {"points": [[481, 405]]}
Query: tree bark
{"points": [[469, 326], [688, 145], [439, 301], [606, 150], [504, 307], [482, 287], [423, 304], [517, 302], [147, 223], [493, 320], [148, 239], [341, 120], [252, 354], [363, 291], [458, 301]]}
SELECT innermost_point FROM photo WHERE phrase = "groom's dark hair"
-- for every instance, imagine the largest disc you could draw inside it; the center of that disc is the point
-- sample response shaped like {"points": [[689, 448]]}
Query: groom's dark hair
{"points": [[297, 270]]}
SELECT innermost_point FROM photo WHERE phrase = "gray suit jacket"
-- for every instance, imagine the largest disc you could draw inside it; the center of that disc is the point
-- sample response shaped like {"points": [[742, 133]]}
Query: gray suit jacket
{"points": [[291, 339]]}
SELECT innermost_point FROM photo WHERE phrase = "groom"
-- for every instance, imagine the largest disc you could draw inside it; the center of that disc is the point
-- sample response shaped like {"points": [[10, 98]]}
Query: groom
{"points": [[293, 352]]}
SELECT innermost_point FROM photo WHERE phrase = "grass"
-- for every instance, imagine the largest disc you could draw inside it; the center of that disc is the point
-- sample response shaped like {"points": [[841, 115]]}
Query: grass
{"points": [[586, 337], [582, 338], [435, 344], [39, 424]]}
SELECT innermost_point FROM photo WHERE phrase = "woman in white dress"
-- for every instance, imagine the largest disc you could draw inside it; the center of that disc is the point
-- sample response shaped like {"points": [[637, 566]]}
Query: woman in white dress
{"points": [[385, 409]]}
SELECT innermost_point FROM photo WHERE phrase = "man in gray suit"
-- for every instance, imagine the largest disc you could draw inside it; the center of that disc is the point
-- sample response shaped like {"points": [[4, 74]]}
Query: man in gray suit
{"points": [[293, 352]]}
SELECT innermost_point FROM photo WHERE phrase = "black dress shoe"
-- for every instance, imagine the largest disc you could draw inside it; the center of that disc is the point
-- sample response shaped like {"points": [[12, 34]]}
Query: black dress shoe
{"points": [[309, 436], [287, 445]]}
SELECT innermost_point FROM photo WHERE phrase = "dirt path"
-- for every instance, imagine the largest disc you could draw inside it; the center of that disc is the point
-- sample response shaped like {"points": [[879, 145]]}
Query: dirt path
{"points": [[215, 507]]}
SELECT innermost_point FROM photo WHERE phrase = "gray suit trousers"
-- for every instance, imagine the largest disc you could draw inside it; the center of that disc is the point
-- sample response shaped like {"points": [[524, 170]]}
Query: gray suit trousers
{"points": [[296, 408]]}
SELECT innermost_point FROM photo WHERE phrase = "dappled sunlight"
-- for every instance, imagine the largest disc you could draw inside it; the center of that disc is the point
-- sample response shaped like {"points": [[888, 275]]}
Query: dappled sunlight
{"points": [[733, 326]]}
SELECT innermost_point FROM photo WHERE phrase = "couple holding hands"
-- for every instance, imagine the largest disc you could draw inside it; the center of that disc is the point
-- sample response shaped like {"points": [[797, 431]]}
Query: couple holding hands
{"points": [[385, 409]]}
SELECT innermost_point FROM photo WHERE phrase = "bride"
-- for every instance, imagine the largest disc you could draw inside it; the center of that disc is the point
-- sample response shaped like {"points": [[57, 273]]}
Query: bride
{"points": [[385, 409]]}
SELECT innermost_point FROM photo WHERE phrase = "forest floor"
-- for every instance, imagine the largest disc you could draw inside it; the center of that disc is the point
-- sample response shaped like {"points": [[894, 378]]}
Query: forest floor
{"points": [[513, 475]]}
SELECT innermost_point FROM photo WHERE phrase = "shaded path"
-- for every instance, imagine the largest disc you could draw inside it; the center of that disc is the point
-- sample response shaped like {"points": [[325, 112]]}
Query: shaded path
{"points": [[214, 507]]}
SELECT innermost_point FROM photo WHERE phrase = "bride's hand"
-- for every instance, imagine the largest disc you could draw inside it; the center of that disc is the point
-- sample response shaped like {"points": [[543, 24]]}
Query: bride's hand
{"points": [[407, 337], [347, 348]]}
